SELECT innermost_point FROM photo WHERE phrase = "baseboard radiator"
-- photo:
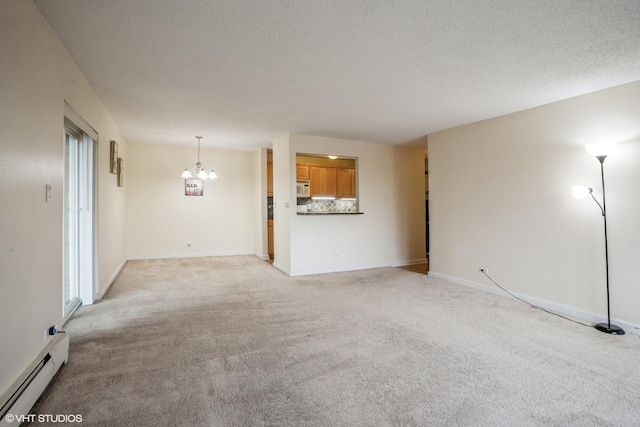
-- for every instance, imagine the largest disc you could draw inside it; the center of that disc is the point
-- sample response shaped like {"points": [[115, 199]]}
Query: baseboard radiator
{"points": [[26, 390]]}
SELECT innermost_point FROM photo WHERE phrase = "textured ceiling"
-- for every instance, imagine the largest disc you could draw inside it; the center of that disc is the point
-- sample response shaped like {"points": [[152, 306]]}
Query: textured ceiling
{"points": [[243, 72]]}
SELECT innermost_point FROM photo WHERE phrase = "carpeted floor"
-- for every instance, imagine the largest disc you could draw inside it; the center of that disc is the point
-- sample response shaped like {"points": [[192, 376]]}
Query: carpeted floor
{"points": [[231, 341]]}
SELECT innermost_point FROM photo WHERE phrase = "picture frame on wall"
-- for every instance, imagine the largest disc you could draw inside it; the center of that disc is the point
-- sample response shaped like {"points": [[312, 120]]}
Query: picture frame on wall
{"points": [[120, 169], [113, 157], [193, 187]]}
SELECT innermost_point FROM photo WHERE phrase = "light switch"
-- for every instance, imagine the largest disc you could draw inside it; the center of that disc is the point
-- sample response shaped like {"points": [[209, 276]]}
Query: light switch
{"points": [[47, 193]]}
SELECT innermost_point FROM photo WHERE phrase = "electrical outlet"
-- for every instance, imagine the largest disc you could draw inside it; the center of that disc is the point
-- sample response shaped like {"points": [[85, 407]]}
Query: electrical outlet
{"points": [[484, 270]]}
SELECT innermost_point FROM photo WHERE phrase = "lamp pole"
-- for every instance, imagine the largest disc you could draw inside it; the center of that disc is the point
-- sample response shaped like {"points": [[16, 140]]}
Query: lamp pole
{"points": [[606, 327]]}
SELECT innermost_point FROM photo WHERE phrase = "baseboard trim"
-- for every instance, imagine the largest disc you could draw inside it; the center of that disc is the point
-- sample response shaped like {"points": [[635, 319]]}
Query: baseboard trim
{"points": [[547, 305], [334, 270], [311, 272], [100, 294], [264, 257], [189, 255], [410, 262], [280, 268]]}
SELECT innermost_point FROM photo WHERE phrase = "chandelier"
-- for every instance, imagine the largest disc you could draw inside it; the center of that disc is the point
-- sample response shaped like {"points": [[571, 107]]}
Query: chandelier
{"points": [[199, 170]]}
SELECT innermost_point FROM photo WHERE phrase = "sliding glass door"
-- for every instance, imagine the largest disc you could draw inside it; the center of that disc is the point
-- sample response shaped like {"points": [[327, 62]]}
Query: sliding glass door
{"points": [[78, 252]]}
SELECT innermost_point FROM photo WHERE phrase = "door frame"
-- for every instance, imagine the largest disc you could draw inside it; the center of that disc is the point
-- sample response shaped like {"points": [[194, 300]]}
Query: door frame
{"points": [[88, 215]]}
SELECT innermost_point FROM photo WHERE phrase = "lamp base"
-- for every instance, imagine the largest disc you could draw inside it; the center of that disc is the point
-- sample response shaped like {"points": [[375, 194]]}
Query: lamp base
{"points": [[610, 329]]}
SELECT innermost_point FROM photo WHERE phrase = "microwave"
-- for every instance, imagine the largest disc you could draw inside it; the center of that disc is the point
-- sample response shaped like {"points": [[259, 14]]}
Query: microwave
{"points": [[303, 188]]}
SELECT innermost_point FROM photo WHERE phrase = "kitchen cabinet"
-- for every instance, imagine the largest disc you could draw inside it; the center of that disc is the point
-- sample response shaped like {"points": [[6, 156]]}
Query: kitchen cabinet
{"points": [[270, 238], [316, 177], [269, 179], [330, 181], [346, 183], [302, 171], [323, 181]]}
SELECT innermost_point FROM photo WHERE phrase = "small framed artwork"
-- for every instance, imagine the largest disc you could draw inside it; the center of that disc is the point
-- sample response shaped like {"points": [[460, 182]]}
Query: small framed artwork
{"points": [[193, 187], [113, 157], [120, 168]]}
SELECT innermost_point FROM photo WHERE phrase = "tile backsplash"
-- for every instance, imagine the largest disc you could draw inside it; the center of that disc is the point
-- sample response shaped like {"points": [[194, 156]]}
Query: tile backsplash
{"points": [[329, 206]]}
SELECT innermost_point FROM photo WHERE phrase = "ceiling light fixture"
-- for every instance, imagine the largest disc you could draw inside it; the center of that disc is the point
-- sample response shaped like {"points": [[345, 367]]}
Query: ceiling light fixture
{"points": [[600, 152], [199, 170], [333, 157]]}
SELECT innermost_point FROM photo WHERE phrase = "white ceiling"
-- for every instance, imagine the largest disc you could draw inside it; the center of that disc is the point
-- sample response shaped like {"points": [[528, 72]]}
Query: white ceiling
{"points": [[243, 72]]}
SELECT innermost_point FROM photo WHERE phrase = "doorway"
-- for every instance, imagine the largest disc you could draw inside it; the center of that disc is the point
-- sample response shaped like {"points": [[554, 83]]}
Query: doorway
{"points": [[270, 244], [426, 201]]}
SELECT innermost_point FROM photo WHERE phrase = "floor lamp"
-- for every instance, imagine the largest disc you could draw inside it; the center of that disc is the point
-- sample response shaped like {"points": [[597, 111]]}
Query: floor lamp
{"points": [[600, 151]]}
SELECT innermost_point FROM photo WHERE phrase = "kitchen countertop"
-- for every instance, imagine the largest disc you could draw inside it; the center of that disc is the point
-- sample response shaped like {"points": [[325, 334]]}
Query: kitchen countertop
{"points": [[330, 213]]}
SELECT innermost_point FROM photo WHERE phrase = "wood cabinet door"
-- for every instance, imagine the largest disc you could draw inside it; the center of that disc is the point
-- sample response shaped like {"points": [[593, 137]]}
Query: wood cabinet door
{"points": [[270, 240], [316, 178], [353, 183], [323, 181], [330, 182], [347, 183], [302, 172], [270, 179]]}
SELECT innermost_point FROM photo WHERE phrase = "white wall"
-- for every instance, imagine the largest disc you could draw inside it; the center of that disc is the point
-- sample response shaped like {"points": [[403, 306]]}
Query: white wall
{"points": [[500, 197], [283, 201], [161, 219], [36, 77], [391, 230]]}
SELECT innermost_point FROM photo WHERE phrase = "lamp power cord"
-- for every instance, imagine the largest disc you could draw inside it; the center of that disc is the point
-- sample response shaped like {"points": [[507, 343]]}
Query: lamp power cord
{"points": [[532, 305]]}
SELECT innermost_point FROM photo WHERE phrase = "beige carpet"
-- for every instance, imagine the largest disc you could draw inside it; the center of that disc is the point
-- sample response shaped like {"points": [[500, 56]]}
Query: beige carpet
{"points": [[231, 341]]}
